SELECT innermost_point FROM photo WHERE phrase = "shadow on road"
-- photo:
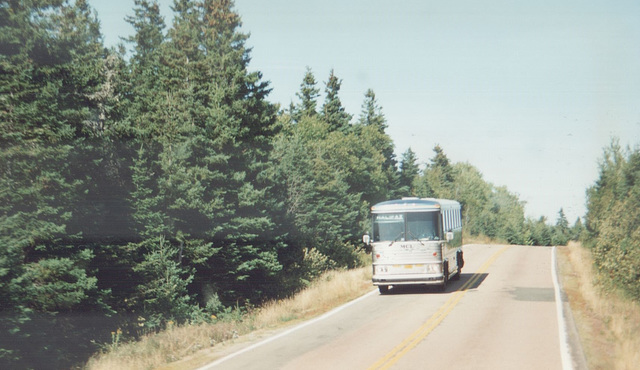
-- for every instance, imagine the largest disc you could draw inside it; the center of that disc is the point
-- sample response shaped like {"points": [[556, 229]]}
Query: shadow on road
{"points": [[466, 282], [465, 278]]}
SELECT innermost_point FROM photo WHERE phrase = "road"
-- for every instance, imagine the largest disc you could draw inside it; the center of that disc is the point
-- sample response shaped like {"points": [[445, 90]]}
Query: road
{"points": [[501, 314]]}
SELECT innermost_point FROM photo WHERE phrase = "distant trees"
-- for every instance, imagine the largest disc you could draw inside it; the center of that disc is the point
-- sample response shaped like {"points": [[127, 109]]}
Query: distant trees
{"points": [[487, 210], [561, 232]]}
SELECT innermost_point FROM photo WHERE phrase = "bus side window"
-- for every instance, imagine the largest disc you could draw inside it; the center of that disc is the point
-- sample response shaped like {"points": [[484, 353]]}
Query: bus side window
{"points": [[445, 222]]}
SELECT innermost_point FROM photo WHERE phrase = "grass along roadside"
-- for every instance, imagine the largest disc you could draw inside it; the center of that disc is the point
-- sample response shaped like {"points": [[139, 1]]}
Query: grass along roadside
{"points": [[190, 346], [608, 323]]}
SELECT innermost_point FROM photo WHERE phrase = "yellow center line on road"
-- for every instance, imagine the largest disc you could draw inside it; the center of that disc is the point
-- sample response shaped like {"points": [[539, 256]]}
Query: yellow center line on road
{"points": [[417, 336]]}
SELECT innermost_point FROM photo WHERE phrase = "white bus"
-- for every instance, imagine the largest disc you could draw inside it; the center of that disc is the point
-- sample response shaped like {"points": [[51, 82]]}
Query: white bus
{"points": [[415, 241]]}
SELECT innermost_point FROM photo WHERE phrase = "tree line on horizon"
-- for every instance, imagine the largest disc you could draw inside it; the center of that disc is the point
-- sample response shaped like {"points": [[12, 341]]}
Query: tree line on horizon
{"points": [[162, 185]]}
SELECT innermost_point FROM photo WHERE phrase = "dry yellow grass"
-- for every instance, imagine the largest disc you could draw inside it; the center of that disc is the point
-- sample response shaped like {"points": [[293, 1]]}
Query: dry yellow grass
{"points": [[332, 289], [608, 324], [193, 344]]}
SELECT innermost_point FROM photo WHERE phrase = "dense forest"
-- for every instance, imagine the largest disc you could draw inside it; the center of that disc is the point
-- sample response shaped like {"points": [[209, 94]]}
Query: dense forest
{"points": [[159, 184]]}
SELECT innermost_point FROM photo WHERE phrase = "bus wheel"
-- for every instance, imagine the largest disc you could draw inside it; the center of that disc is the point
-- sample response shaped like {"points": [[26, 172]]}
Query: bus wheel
{"points": [[384, 289]]}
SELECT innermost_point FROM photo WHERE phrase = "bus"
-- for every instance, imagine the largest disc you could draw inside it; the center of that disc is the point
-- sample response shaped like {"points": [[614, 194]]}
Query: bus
{"points": [[415, 241]]}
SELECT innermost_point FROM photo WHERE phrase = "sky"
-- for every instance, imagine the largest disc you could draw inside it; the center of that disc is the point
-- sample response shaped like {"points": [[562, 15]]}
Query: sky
{"points": [[528, 92]]}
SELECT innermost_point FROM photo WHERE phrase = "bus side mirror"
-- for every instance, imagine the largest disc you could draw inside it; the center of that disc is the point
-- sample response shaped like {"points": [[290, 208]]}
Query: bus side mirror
{"points": [[366, 240], [449, 236]]}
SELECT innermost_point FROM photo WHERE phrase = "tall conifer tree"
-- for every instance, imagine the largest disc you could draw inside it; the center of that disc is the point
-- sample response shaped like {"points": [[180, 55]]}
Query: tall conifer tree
{"points": [[372, 116], [240, 126], [409, 172], [207, 148], [332, 110], [308, 96], [438, 179]]}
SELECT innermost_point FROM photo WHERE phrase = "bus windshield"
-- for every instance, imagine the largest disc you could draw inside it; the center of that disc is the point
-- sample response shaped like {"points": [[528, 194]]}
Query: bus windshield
{"points": [[405, 226]]}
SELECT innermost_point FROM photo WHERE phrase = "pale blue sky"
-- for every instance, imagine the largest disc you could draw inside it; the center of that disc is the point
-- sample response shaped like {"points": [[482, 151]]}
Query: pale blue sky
{"points": [[529, 92]]}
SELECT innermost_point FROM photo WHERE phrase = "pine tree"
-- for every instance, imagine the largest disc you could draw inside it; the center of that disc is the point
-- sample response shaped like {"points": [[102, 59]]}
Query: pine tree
{"points": [[241, 116], [371, 128], [473, 193], [561, 231], [438, 179], [371, 114], [308, 96], [166, 190], [577, 229], [409, 172], [332, 110], [200, 173], [148, 25], [509, 216], [317, 167], [51, 134]]}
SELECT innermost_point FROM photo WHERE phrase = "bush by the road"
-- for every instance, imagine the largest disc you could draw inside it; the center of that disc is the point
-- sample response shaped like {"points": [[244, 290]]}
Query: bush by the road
{"points": [[613, 219]]}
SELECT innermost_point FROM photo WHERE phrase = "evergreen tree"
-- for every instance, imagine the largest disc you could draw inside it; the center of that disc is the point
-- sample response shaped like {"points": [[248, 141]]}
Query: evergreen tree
{"points": [[308, 96], [52, 130], [509, 212], [332, 110], [243, 125], [156, 252], [148, 25], [561, 232], [577, 229], [371, 114], [202, 192], [373, 121], [474, 194], [540, 232], [409, 172], [438, 180], [316, 167]]}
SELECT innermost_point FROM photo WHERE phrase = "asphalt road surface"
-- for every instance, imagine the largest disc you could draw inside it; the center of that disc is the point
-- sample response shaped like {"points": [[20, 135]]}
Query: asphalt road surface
{"points": [[501, 314]]}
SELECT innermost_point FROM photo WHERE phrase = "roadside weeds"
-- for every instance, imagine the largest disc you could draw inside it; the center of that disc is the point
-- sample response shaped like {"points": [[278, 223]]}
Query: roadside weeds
{"points": [[191, 346], [608, 323]]}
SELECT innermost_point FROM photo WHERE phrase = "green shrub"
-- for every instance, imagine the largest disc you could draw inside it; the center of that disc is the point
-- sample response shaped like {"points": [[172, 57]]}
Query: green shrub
{"points": [[613, 220]]}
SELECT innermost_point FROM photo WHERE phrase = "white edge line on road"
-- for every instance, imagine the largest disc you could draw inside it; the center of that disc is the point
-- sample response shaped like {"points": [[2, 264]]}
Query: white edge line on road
{"points": [[565, 355], [287, 332]]}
